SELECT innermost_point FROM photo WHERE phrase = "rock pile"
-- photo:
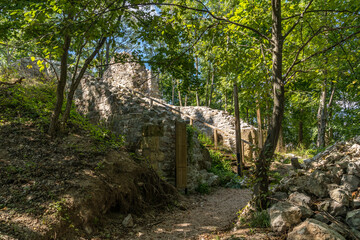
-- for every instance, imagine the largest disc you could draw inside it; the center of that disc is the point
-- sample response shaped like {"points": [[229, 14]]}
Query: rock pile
{"points": [[321, 200]]}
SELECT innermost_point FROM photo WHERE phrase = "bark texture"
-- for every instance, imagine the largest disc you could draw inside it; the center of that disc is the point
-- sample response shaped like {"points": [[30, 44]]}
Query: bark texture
{"points": [[60, 87], [266, 154]]}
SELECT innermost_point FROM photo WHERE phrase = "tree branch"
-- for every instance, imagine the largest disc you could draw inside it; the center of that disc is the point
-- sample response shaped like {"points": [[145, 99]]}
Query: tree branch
{"points": [[328, 48], [297, 22], [324, 10], [197, 10], [295, 62]]}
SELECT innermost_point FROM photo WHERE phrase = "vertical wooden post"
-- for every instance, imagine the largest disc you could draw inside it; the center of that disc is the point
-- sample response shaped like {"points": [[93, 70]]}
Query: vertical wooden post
{"points": [[215, 138], [191, 121], [238, 131], [181, 155]]}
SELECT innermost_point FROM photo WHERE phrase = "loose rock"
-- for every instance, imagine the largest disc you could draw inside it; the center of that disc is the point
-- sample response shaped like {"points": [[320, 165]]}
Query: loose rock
{"points": [[283, 215], [128, 221], [313, 229]]}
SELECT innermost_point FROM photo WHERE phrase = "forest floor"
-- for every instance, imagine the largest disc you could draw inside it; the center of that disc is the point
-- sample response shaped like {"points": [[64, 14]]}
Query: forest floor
{"points": [[31, 162], [199, 217]]}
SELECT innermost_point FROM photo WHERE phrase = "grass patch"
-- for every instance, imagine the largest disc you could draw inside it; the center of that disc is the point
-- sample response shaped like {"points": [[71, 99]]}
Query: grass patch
{"points": [[33, 102], [254, 219]]}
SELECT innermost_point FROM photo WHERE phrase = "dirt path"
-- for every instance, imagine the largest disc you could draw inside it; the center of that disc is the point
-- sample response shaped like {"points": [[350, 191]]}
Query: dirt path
{"points": [[204, 214]]}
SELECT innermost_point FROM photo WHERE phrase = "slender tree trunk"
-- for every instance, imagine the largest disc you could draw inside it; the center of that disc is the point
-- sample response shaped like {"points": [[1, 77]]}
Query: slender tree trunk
{"points": [[107, 54], [75, 83], [329, 116], [301, 128], [212, 86], [197, 74], [197, 99], [321, 117], [225, 102], [238, 132], [101, 71], [173, 92], [258, 117], [179, 94], [207, 86], [263, 163], [60, 87], [247, 115]]}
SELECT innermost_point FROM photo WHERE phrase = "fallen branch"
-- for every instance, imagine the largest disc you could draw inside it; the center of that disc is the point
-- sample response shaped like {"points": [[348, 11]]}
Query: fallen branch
{"points": [[19, 81]]}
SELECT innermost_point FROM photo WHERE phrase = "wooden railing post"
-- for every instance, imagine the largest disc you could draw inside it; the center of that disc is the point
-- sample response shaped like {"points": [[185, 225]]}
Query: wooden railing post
{"points": [[191, 122], [215, 138]]}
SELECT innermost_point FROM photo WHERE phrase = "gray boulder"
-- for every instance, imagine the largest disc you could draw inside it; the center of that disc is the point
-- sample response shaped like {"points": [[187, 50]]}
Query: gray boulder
{"points": [[300, 199], [332, 207], [284, 215], [350, 182], [340, 196], [128, 221], [353, 169], [353, 219], [313, 229]]}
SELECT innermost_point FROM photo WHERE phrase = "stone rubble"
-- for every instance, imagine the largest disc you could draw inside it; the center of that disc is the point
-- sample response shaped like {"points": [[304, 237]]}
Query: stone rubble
{"points": [[321, 200]]}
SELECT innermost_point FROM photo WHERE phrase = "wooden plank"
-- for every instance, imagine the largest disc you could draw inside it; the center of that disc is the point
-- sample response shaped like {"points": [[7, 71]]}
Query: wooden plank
{"points": [[181, 154]]}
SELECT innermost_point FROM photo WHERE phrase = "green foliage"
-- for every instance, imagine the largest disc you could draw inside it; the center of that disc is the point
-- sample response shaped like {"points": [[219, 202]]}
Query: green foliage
{"points": [[205, 140], [105, 137], [203, 188], [254, 219], [190, 132], [260, 219], [28, 102], [222, 167]]}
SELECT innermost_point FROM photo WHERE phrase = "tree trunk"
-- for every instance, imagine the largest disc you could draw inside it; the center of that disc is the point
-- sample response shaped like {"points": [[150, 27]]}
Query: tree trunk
{"points": [[60, 87], [263, 164], [197, 73], [179, 94], [211, 86], [321, 117], [173, 92], [329, 115], [225, 102], [107, 54], [75, 83], [197, 99], [301, 129], [258, 117], [280, 143], [238, 132]]}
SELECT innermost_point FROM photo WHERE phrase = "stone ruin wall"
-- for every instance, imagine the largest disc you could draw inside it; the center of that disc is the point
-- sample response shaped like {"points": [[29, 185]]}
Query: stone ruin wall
{"points": [[226, 123], [149, 131], [150, 128], [134, 76]]}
